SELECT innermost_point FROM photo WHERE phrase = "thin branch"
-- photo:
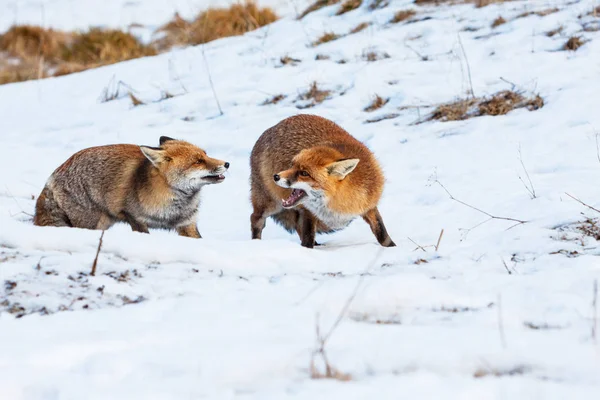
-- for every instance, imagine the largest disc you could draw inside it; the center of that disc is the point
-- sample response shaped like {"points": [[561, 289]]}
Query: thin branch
{"points": [[506, 266], [582, 203], [520, 221], [437, 245], [93, 273], [417, 244], [530, 188], [468, 64]]}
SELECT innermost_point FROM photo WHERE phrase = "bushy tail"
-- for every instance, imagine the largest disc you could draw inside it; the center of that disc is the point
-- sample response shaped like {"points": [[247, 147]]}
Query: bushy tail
{"points": [[48, 212]]}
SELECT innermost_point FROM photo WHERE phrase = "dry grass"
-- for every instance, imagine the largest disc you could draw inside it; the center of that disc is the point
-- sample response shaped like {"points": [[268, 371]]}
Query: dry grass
{"points": [[41, 53], [321, 57], [478, 3], [573, 43], [500, 103], [382, 118], [360, 27], [498, 21], [376, 103], [372, 55], [555, 31], [273, 100], [317, 6], [377, 4], [517, 370], [590, 228], [402, 15], [215, 23], [326, 37], [348, 6], [313, 95], [287, 60]]}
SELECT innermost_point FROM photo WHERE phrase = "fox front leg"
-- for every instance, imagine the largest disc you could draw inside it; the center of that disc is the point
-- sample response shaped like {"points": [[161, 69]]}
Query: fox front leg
{"points": [[373, 218], [189, 231]]}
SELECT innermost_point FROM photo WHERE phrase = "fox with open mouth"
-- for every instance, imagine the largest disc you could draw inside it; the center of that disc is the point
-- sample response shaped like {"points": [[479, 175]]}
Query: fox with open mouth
{"points": [[146, 187], [312, 176]]}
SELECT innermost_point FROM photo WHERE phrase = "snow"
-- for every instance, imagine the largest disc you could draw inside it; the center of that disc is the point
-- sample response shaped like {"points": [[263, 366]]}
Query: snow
{"points": [[226, 317]]}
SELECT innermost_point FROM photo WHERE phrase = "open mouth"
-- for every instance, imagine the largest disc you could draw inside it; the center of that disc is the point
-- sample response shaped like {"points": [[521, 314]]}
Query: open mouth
{"points": [[295, 197], [214, 178]]}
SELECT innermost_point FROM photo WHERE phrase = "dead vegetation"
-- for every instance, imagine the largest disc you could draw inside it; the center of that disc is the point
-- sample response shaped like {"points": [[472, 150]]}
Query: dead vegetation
{"points": [[499, 372], [32, 52], [402, 15], [500, 103], [378, 4], [348, 6], [287, 60], [317, 5], [326, 37], [382, 117], [215, 23], [360, 27], [498, 21], [273, 100], [478, 3], [555, 31], [574, 43], [376, 103], [373, 55], [312, 96]]}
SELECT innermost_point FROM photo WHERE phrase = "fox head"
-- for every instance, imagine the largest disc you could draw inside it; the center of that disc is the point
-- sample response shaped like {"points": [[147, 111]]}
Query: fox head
{"points": [[185, 166], [315, 176]]}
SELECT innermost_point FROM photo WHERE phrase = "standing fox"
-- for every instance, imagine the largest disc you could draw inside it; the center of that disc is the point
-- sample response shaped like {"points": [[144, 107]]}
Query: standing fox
{"points": [[325, 177], [146, 187]]}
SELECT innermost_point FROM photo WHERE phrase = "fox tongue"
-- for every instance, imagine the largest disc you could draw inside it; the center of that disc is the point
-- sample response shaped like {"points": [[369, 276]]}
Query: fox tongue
{"points": [[296, 195]]}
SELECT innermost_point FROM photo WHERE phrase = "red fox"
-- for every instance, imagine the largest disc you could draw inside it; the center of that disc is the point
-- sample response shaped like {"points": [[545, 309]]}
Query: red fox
{"points": [[146, 187], [324, 176]]}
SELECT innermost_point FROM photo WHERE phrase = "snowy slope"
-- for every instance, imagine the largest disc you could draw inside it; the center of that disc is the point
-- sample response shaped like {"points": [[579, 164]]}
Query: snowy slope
{"points": [[226, 317]]}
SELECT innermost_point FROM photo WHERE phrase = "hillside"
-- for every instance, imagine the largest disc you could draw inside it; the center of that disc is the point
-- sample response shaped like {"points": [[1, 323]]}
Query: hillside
{"points": [[489, 133]]}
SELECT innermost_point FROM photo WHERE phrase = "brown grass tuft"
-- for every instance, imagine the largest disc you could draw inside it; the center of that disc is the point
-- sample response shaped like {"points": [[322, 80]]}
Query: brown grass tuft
{"points": [[273, 100], [376, 103], [402, 15], [317, 6], [573, 43], [287, 60], [555, 31], [314, 95], [28, 42], [326, 37], [500, 103], [135, 100], [360, 27], [498, 21], [478, 3], [100, 47], [348, 6], [216, 23], [373, 55], [321, 57], [377, 4]]}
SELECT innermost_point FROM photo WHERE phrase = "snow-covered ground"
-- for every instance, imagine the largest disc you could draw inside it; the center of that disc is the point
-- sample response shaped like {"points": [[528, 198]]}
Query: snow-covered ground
{"points": [[494, 313]]}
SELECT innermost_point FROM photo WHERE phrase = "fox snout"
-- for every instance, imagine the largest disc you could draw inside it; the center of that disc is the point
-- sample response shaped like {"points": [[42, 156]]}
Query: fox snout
{"points": [[281, 180]]}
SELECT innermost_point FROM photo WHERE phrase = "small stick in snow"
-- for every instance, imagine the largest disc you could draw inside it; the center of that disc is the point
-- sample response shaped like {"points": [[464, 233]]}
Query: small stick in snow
{"points": [[506, 266], [468, 65], [529, 186], [93, 273], [595, 310], [501, 323], [437, 245], [417, 244], [581, 202]]}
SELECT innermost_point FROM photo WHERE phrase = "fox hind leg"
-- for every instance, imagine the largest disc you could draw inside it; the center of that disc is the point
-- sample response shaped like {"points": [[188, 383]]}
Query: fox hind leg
{"points": [[373, 218], [189, 231], [48, 212]]}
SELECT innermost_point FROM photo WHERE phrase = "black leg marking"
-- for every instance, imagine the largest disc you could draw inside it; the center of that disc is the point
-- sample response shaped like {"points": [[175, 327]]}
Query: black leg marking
{"points": [[309, 230], [373, 218]]}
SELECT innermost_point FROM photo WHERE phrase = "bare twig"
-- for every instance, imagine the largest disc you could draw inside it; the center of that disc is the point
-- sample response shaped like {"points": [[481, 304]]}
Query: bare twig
{"points": [[417, 244], [468, 64], [93, 273], [582, 203], [212, 86], [506, 266], [597, 147], [501, 322], [331, 372], [437, 245], [491, 216], [529, 186]]}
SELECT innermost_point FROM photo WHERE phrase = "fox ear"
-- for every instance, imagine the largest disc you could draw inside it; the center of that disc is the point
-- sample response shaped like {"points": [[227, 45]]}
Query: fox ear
{"points": [[164, 139], [154, 154], [343, 167]]}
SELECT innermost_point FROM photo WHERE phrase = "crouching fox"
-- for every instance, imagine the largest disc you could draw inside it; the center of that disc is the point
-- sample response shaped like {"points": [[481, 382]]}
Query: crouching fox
{"points": [[312, 176], [146, 187]]}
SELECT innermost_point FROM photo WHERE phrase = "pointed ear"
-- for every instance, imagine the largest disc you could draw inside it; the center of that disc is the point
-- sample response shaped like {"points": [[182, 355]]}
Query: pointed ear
{"points": [[342, 168], [164, 139], [154, 154]]}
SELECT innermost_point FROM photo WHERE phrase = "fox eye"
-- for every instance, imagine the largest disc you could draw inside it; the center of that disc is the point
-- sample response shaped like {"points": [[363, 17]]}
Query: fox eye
{"points": [[303, 173], [200, 161]]}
